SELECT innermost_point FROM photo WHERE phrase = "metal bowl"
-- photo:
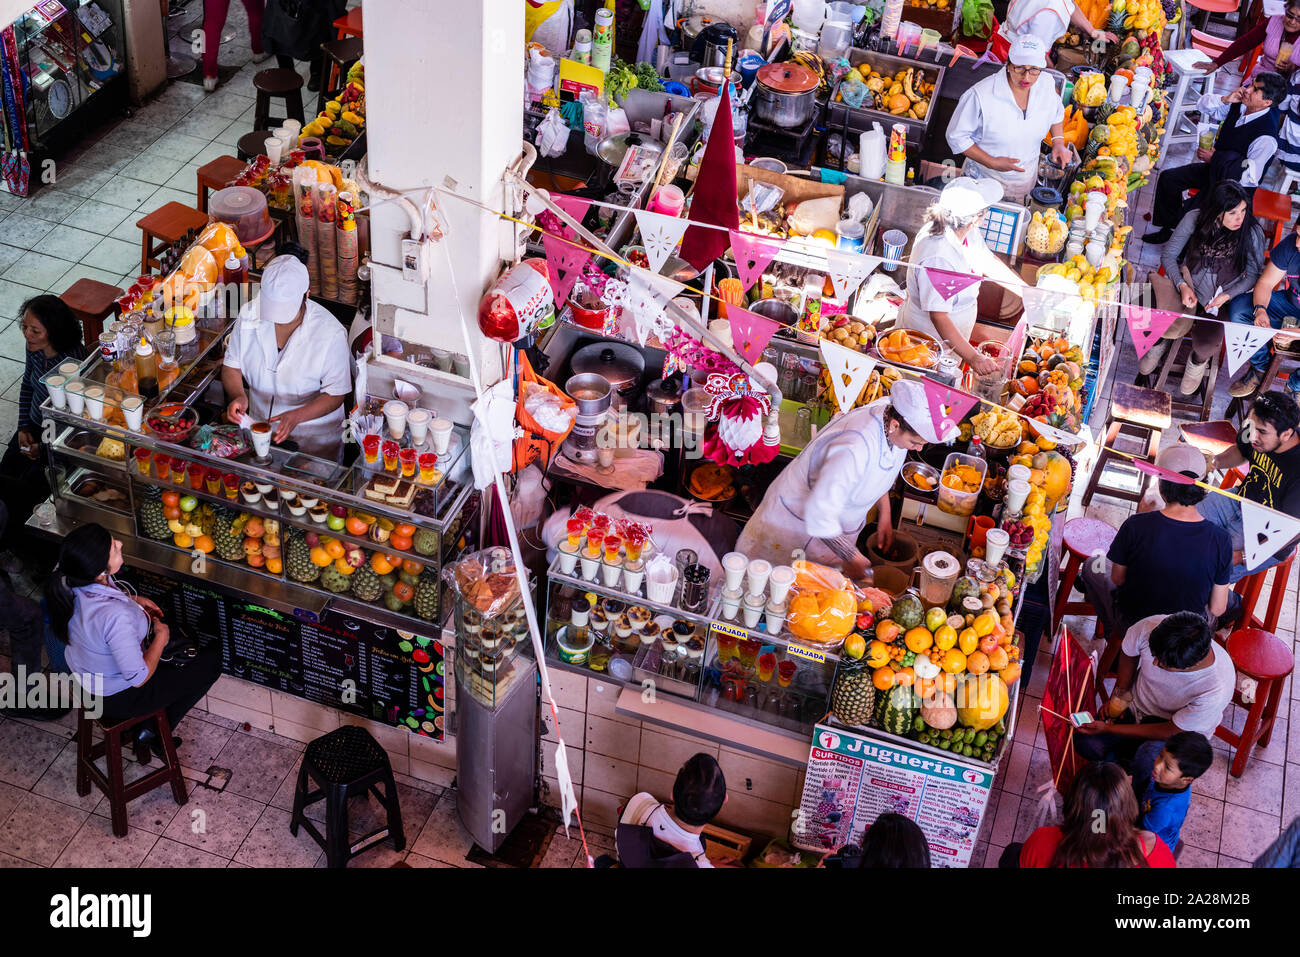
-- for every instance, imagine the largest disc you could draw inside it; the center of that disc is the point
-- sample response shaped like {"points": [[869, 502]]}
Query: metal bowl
{"points": [[778, 310], [913, 469]]}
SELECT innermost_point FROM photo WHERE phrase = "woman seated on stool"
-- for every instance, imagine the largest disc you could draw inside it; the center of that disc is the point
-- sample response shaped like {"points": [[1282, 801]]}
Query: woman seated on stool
{"points": [[1216, 252], [119, 639]]}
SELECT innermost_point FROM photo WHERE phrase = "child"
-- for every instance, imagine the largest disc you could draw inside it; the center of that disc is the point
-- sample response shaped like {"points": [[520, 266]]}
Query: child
{"points": [[649, 832], [1163, 773]]}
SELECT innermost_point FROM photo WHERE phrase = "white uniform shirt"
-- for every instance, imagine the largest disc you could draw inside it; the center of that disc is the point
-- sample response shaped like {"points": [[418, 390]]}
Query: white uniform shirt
{"points": [[1261, 148], [314, 360], [987, 116], [945, 251], [1049, 20]]}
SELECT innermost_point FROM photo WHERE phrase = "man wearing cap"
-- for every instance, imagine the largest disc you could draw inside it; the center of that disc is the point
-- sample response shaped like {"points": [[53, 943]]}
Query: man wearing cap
{"points": [[1001, 120], [293, 355], [820, 502], [951, 240], [1163, 561]]}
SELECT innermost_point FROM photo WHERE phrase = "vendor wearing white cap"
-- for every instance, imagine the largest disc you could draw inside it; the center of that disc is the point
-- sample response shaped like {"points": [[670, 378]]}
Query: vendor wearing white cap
{"points": [[293, 355], [1046, 20], [820, 502], [1000, 122], [951, 240]]}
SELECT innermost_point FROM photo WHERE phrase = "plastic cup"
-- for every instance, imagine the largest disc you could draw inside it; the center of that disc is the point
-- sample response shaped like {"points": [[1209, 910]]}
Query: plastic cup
{"points": [[731, 598], [668, 200], [893, 240], [76, 397], [612, 545], [1017, 492], [1118, 84], [390, 450], [410, 460], [196, 474], [95, 402], [230, 481], [996, 541], [661, 584], [440, 429], [734, 565], [781, 582], [633, 545], [69, 368], [568, 558], [760, 570], [417, 420], [766, 665], [610, 573], [178, 473], [747, 650], [428, 468], [133, 412], [162, 465], [753, 611], [370, 448], [212, 480], [633, 575], [574, 528], [54, 384], [261, 435], [1020, 472], [142, 460], [395, 412], [775, 617], [274, 147], [590, 567], [785, 673]]}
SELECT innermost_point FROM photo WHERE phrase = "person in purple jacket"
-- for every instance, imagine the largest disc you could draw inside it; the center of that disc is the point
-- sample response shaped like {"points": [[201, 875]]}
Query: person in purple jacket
{"points": [[117, 641]]}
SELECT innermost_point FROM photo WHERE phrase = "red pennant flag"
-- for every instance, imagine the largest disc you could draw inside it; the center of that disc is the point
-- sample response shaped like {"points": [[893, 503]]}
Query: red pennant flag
{"points": [[947, 406], [1147, 326], [714, 197], [753, 255], [750, 332], [948, 284], [565, 262]]}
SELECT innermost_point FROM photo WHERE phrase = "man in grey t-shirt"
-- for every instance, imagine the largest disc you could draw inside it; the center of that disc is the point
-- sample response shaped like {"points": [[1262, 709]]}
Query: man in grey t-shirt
{"points": [[1172, 678]]}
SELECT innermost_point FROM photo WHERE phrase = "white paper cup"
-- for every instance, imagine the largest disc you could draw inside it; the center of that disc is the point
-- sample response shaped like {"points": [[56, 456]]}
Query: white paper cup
{"points": [[632, 579], [440, 429], [69, 368], [781, 582], [995, 545], [55, 386], [1017, 492], [133, 412], [659, 588], [610, 574], [95, 402], [417, 420], [590, 568], [395, 412], [295, 130], [760, 569], [76, 397], [734, 565], [893, 240], [261, 440], [568, 558], [274, 147], [731, 603], [1018, 472], [753, 611]]}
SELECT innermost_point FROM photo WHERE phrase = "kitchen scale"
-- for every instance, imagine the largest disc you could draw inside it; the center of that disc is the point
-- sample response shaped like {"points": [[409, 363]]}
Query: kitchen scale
{"points": [[929, 513]]}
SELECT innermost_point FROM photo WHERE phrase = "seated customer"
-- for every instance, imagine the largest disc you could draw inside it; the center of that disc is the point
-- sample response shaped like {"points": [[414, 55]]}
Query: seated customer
{"points": [[1275, 297], [648, 832], [1242, 151], [1172, 678], [1163, 561], [1163, 772], [1273, 452], [1216, 253]]}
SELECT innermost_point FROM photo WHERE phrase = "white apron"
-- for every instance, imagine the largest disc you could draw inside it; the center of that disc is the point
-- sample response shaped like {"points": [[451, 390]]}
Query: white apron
{"points": [[827, 491], [943, 251]]}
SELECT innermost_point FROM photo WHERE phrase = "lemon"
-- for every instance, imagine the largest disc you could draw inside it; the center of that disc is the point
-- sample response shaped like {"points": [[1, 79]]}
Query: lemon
{"points": [[825, 236]]}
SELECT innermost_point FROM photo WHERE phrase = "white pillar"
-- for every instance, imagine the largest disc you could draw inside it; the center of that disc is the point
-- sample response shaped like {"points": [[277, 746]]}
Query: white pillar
{"points": [[444, 101]]}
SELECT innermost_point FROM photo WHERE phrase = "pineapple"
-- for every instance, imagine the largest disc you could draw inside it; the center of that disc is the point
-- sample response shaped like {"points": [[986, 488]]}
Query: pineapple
{"points": [[366, 585], [226, 543], [152, 522], [854, 695], [426, 598], [297, 561]]}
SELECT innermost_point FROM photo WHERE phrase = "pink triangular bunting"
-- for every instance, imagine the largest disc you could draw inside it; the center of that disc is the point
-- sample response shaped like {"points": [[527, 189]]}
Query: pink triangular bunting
{"points": [[1147, 326], [575, 206], [948, 284], [750, 332], [753, 255], [948, 406], [565, 262], [1148, 468]]}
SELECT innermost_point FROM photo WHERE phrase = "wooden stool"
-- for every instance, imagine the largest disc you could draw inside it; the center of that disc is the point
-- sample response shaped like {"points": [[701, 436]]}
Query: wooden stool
{"points": [[337, 57], [92, 302], [1250, 588], [168, 224], [1175, 364], [252, 144], [114, 784], [1273, 206], [218, 174], [1083, 538], [347, 762], [281, 84], [349, 25], [1263, 656], [1141, 414]]}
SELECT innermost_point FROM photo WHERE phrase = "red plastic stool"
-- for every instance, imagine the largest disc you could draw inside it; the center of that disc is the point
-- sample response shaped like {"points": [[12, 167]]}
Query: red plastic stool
{"points": [[1083, 537], [1250, 587], [1263, 656], [1275, 206]]}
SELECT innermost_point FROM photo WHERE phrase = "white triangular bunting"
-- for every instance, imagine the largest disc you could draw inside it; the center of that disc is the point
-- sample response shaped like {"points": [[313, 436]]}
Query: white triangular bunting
{"points": [[842, 362], [1265, 532], [648, 294], [1243, 341], [847, 270], [660, 235], [564, 778], [1059, 436]]}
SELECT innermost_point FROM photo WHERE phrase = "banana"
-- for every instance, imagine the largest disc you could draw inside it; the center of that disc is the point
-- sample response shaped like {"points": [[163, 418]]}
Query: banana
{"points": [[907, 86]]}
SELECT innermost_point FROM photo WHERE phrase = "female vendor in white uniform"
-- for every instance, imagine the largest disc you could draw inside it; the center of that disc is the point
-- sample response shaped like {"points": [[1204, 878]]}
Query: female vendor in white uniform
{"points": [[951, 240], [820, 501], [294, 356], [1048, 20], [1001, 120]]}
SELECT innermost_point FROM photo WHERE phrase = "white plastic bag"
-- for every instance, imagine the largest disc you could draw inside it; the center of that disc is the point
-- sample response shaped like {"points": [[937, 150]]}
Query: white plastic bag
{"points": [[552, 134]]}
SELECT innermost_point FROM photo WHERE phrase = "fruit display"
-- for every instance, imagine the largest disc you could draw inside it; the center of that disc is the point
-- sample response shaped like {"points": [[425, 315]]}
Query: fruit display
{"points": [[908, 348], [1074, 127], [853, 699], [906, 93], [1049, 384], [1090, 90], [878, 385], [393, 581], [847, 331], [1046, 234], [996, 428], [344, 117]]}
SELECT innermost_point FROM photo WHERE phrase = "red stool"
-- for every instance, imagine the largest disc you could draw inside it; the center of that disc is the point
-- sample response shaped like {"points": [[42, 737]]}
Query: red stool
{"points": [[1275, 206], [1263, 656], [1083, 538], [1250, 587]]}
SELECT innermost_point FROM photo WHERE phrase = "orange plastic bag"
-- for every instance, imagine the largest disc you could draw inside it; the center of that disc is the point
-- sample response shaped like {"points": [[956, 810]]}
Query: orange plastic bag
{"points": [[823, 605], [537, 444]]}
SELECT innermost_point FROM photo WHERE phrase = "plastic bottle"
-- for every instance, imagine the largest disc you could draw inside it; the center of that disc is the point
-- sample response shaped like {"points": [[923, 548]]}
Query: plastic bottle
{"points": [[593, 120], [602, 39], [977, 450], [872, 149]]}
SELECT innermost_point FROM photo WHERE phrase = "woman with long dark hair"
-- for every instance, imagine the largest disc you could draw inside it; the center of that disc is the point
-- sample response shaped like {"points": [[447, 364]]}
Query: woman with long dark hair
{"points": [[1216, 252], [1099, 829], [52, 335], [117, 640]]}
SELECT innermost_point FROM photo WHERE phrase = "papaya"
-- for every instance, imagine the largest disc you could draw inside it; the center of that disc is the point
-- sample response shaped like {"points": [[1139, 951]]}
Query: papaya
{"points": [[982, 701]]}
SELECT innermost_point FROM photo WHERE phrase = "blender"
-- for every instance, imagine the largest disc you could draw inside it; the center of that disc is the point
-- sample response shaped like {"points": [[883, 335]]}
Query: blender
{"points": [[939, 574]]}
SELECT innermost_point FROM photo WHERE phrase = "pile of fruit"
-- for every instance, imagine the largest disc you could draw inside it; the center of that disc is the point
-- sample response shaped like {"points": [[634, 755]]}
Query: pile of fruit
{"points": [[399, 583], [1047, 231], [344, 117], [962, 478], [230, 535], [1090, 90], [905, 93], [1092, 281], [908, 348], [997, 428], [847, 331]]}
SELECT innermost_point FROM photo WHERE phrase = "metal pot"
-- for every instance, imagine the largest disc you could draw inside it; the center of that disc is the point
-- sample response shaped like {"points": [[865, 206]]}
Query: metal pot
{"points": [[778, 310], [593, 395], [785, 94], [621, 365], [612, 149]]}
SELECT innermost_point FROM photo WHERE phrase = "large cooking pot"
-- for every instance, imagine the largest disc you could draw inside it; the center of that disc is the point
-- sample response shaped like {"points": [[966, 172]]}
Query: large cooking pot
{"points": [[613, 148], [785, 94], [621, 365]]}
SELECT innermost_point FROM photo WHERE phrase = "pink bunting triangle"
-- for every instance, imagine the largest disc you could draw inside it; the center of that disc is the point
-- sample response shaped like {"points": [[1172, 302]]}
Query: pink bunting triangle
{"points": [[1147, 326], [565, 262], [575, 206], [753, 255], [1147, 468], [750, 332], [948, 284], [947, 406], [1016, 341]]}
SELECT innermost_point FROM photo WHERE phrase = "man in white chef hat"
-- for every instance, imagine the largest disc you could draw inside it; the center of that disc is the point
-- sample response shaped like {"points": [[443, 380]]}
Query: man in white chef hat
{"points": [[819, 503], [287, 363]]}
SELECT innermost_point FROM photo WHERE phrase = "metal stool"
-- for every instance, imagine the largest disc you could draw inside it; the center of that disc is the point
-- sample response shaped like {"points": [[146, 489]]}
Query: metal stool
{"points": [[168, 223], [1135, 413], [92, 302], [279, 84], [346, 762], [1263, 656], [113, 784]]}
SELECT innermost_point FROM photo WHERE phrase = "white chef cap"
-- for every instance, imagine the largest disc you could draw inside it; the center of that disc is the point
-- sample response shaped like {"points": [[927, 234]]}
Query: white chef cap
{"points": [[284, 286], [908, 399], [964, 197], [1028, 50]]}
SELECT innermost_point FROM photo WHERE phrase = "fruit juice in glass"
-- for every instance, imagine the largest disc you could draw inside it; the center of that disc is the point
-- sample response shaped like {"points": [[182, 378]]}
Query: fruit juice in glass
{"points": [[428, 467], [727, 648], [785, 673], [212, 479], [408, 460], [612, 543], [593, 545], [142, 460], [197, 473], [748, 651], [574, 527], [391, 449], [178, 472], [599, 525], [231, 482], [635, 541], [766, 665], [370, 448], [584, 515], [162, 465]]}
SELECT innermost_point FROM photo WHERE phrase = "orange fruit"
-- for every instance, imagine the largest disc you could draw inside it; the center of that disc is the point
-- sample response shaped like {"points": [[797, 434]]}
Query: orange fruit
{"points": [[968, 641], [887, 630], [380, 564], [342, 567], [977, 663], [334, 548], [182, 540], [400, 542], [319, 557], [905, 677], [954, 661], [877, 653], [404, 528], [204, 543], [403, 592], [918, 639], [411, 567], [274, 565], [256, 559], [356, 526], [883, 678], [947, 682], [945, 637]]}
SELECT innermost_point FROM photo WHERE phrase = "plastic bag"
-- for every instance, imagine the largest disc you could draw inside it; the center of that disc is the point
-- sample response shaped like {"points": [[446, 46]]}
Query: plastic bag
{"points": [[484, 580], [539, 442], [221, 441], [823, 605], [853, 91], [552, 134], [767, 196]]}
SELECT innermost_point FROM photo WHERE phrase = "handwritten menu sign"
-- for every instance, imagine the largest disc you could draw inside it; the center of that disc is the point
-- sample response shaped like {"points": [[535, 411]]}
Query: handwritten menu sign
{"points": [[335, 659], [852, 779]]}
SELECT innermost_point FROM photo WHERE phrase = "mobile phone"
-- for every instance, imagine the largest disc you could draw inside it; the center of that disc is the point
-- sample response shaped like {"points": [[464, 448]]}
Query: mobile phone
{"points": [[1080, 718]]}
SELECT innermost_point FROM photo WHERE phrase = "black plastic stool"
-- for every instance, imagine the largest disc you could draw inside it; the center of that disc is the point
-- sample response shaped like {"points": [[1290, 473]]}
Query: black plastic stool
{"points": [[346, 762]]}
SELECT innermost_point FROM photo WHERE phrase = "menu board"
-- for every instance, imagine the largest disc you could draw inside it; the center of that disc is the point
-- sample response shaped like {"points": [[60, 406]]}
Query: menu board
{"points": [[335, 659], [852, 779]]}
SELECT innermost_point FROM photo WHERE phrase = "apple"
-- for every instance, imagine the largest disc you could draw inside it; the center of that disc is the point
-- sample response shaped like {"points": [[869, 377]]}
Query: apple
{"points": [[336, 522], [355, 556], [312, 539], [340, 510], [189, 503]]}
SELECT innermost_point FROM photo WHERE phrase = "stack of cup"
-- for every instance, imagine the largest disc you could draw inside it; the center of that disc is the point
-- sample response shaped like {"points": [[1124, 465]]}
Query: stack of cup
{"points": [[661, 583]]}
